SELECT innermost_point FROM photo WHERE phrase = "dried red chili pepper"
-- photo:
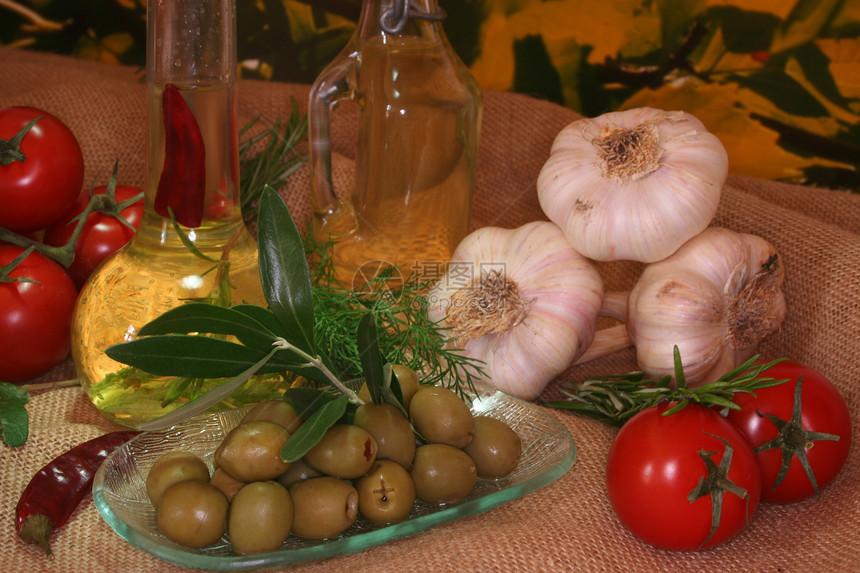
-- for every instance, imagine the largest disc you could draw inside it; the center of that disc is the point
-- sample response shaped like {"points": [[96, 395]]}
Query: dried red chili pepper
{"points": [[57, 489], [182, 186]]}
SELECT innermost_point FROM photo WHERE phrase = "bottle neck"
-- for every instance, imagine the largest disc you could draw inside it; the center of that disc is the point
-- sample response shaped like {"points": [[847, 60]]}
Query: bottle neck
{"points": [[191, 42], [192, 161]]}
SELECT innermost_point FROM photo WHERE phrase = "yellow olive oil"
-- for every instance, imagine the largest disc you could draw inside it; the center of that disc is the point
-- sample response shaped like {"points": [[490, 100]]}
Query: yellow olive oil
{"points": [[157, 271], [418, 120]]}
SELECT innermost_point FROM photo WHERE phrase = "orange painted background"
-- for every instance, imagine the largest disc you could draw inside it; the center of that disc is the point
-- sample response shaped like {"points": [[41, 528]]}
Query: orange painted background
{"points": [[777, 80]]}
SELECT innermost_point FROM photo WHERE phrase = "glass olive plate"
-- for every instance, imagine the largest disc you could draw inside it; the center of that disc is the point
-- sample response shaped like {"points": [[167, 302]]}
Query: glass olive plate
{"points": [[119, 489]]}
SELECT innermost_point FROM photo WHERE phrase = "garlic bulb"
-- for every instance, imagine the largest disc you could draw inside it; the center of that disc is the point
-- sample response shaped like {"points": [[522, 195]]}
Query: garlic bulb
{"points": [[716, 298], [521, 300], [634, 184]]}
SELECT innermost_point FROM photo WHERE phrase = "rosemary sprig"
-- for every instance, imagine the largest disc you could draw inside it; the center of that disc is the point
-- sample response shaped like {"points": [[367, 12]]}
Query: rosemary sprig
{"points": [[616, 398], [274, 163]]}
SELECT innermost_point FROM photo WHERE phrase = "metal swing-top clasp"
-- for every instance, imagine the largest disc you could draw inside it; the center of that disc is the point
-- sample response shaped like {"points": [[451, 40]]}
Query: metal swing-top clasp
{"points": [[393, 20]]}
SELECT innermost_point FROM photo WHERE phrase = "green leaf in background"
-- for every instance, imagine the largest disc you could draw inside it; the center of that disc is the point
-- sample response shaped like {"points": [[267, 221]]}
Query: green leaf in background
{"points": [[783, 91], [807, 20], [14, 420], [284, 271], [741, 31], [312, 430], [675, 18], [212, 319], [559, 50], [534, 72]]}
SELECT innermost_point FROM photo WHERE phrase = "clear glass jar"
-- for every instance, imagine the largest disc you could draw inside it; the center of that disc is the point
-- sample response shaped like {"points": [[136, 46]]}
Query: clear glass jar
{"points": [[419, 121], [192, 173]]}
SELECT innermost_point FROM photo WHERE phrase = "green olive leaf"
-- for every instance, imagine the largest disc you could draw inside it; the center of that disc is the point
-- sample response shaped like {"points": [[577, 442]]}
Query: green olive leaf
{"points": [[392, 392], [262, 315], [306, 400], [371, 358], [196, 356], [284, 271], [313, 429], [212, 319]]}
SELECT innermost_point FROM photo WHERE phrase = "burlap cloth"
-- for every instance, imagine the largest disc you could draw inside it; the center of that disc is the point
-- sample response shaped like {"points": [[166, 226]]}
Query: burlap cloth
{"points": [[569, 525]]}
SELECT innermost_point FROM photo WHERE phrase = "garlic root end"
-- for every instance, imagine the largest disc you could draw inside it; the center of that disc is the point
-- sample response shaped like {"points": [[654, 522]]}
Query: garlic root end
{"points": [[606, 341], [615, 305]]}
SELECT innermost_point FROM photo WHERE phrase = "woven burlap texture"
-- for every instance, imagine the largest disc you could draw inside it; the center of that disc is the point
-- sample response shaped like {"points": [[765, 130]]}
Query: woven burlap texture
{"points": [[569, 525]]}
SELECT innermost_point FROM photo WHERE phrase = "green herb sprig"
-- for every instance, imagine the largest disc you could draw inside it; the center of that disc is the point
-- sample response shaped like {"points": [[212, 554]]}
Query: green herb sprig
{"points": [[405, 333], [14, 420], [274, 163], [617, 398]]}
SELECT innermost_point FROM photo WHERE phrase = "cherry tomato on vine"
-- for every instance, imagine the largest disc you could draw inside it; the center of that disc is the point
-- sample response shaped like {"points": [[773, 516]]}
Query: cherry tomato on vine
{"points": [[35, 315], [683, 481], [102, 235], [800, 430], [40, 177]]}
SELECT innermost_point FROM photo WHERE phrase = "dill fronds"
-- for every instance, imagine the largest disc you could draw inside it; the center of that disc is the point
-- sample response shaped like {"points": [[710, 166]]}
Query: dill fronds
{"points": [[406, 335]]}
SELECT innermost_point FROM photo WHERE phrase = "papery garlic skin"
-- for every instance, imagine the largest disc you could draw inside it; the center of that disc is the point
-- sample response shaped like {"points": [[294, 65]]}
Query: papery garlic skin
{"points": [[550, 320], [634, 184], [716, 298]]}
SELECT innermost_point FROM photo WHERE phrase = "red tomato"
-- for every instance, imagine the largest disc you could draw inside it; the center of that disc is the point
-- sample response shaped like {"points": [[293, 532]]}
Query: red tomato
{"points": [[816, 427], [36, 189], [102, 234], [35, 317], [656, 466]]}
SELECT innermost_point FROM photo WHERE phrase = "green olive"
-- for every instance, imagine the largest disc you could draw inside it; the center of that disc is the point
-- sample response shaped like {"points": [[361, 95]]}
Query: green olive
{"points": [[171, 468], [252, 451], [261, 517], [323, 507], [226, 484], [277, 411], [495, 447], [443, 474], [298, 471], [441, 416], [345, 451], [406, 378], [386, 494], [192, 513], [391, 430]]}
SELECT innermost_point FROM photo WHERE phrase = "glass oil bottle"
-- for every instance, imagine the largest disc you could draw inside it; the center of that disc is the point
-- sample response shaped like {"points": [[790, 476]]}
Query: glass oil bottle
{"points": [[419, 120], [199, 249]]}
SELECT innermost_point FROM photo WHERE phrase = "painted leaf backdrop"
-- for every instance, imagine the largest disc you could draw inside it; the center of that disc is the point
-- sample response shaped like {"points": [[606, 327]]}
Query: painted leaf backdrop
{"points": [[777, 80]]}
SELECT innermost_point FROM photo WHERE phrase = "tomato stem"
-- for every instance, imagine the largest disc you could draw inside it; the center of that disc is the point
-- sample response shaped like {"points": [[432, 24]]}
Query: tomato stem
{"points": [[104, 203], [793, 439], [716, 483], [10, 150]]}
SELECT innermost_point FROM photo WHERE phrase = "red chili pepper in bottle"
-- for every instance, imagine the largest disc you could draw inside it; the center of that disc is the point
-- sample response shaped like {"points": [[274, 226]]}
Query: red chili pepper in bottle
{"points": [[182, 186], [57, 489]]}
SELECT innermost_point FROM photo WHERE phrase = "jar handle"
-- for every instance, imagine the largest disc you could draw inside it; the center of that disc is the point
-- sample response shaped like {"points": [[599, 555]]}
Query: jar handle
{"points": [[332, 86]]}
